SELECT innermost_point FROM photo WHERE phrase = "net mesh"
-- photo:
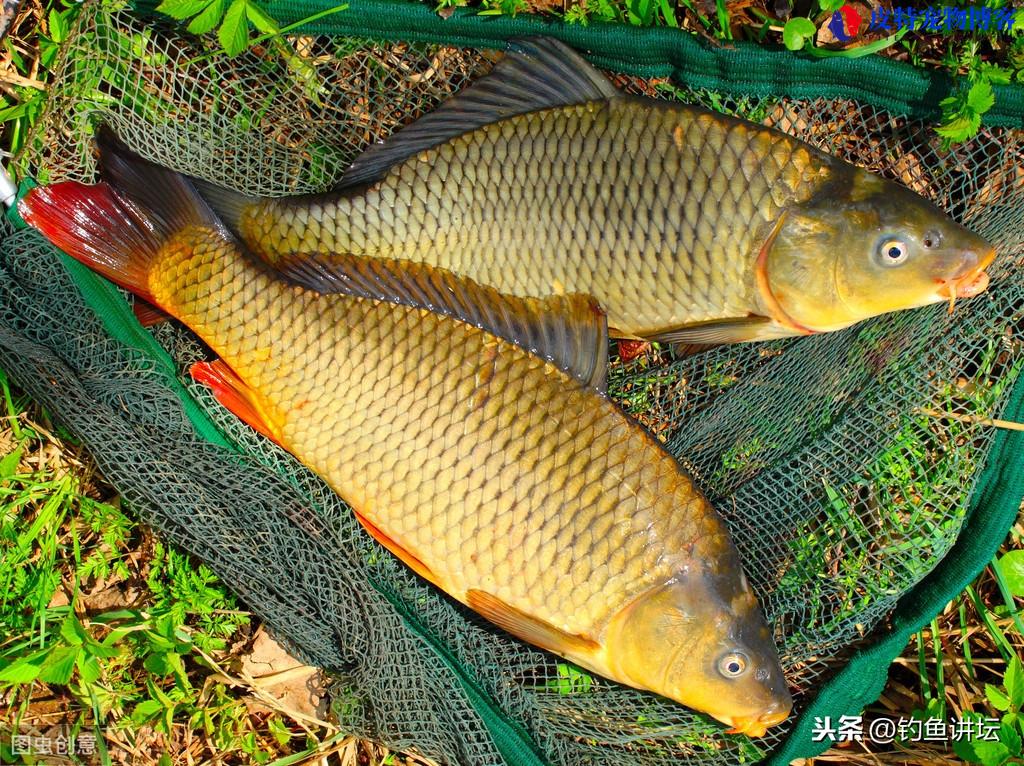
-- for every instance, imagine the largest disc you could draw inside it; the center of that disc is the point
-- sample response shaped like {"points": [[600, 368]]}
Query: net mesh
{"points": [[843, 463]]}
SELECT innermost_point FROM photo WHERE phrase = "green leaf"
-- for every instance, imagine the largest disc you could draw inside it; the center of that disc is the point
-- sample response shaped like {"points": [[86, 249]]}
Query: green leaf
{"points": [[183, 9], [234, 31], [796, 31], [570, 680], [72, 631], [89, 669], [1008, 736], [964, 749], [17, 111], [950, 103], [9, 464], [59, 665], [668, 14], [102, 650], [1011, 569], [47, 53], [989, 753], [17, 58], [22, 671], [1014, 682], [177, 667], [831, 6], [156, 664], [980, 97], [995, 74], [58, 26], [158, 643], [146, 710], [278, 729], [960, 127], [160, 695], [260, 19], [996, 698], [208, 19]]}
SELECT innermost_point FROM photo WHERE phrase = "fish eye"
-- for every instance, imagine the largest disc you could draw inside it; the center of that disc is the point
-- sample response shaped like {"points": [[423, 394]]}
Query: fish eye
{"points": [[893, 252], [733, 664], [932, 239]]}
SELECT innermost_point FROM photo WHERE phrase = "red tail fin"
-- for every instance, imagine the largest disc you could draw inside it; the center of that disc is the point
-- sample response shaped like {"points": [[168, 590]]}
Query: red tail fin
{"points": [[95, 225], [118, 227]]}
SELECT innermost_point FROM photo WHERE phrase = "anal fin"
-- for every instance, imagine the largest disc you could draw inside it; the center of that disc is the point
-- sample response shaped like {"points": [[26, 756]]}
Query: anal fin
{"points": [[233, 393], [681, 350], [531, 629], [148, 314]]}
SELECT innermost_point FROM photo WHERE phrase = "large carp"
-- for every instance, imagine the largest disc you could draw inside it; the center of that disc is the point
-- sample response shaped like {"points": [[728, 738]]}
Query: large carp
{"points": [[686, 225]]}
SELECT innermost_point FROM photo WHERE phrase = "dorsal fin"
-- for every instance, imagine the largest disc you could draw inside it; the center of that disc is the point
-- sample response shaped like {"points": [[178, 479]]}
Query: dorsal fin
{"points": [[571, 331], [536, 73]]}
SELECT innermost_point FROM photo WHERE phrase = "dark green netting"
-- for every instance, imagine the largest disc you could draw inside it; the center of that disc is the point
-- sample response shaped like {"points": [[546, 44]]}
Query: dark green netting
{"points": [[842, 494]]}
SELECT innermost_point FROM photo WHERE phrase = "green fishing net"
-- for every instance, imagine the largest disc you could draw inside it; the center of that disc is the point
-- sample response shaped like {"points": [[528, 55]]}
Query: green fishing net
{"points": [[845, 464]]}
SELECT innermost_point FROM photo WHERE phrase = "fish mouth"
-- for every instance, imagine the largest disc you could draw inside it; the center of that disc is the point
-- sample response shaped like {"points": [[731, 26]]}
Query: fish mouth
{"points": [[971, 282], [755, 726]]}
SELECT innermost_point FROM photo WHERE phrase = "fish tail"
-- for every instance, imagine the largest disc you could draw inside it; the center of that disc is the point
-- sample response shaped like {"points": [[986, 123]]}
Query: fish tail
{"points": [[228, 204], [120, 226]]}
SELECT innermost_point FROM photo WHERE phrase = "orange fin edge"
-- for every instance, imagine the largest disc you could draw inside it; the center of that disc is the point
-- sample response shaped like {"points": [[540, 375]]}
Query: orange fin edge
{"points": [[233, 393], [410, 560], [533, 630]]}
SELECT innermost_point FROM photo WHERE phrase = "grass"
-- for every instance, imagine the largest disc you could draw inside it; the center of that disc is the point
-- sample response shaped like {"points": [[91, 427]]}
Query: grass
{"points": [[119, 641], [912, 491], [109, 633]]}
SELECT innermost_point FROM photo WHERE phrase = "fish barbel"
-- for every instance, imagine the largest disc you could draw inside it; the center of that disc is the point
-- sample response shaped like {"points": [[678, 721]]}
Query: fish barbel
{"points": [[506, 480], [686, 225]]}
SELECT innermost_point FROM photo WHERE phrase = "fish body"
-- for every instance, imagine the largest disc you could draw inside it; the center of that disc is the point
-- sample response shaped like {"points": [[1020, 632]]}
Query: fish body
{"points": [[685, 224], [506, 481]]}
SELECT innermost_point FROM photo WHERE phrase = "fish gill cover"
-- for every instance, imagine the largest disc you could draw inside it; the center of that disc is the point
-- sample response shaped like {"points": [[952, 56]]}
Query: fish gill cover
{"points": [[842, 487]]}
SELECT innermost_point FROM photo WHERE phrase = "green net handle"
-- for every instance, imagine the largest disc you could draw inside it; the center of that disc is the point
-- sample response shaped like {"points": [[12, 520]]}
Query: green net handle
{"points": [[739, 68]]}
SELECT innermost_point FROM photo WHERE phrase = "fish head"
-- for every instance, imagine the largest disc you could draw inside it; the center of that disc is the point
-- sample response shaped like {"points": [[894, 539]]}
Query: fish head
{"points": [[864, 247], [701, 640]]}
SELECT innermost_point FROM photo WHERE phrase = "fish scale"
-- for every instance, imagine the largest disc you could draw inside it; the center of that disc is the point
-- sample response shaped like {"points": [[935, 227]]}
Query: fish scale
{"points": [[386, 402], [687, 226], [508, 217]]}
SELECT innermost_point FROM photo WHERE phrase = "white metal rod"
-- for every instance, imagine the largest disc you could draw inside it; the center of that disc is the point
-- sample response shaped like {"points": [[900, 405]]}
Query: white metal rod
{"points": [[8, 189]]}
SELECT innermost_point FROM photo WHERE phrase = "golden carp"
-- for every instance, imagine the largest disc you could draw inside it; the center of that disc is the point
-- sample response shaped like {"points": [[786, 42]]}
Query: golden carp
{"points": [[686, 225], [509, 482]]}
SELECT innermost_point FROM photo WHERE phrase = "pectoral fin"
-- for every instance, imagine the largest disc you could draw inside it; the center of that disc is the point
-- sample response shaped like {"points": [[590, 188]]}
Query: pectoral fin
{"points": [[727, 331], [531, 629], [568, 330]]}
